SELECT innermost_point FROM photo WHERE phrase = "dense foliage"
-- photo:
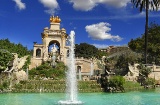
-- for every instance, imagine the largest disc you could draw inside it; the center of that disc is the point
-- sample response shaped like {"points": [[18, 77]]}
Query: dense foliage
{"points": [[117, 82], [149, 81], [87, 51], [120, 62], [144, 71], [147, 5], [4, 85], [114, 83], [153, 44], [123, 61], [46, 71], [6, 50], [132, 86], [5, 57], [14, 48], [143, 78], [27, 63]]}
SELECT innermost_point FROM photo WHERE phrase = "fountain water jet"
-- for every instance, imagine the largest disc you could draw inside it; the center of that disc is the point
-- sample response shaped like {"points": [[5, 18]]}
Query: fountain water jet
{"points": [[71, 82]]}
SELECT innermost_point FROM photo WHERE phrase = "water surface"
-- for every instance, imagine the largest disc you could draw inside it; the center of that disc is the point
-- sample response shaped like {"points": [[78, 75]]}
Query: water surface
{"points": [[129, 98]]}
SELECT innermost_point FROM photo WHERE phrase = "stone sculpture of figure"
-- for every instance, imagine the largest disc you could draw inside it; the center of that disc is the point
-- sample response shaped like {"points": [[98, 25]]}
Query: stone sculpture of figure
{"points": [[54, 49], [15, 69], [53, 55]]}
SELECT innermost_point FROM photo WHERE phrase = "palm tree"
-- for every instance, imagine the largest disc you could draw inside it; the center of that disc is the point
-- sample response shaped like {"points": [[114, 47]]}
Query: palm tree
{"points": [[146, 4]]}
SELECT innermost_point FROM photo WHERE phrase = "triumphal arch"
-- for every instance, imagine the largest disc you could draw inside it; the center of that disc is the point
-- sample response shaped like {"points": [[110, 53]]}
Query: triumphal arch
{"points": [[54, 47], [52, 35]]}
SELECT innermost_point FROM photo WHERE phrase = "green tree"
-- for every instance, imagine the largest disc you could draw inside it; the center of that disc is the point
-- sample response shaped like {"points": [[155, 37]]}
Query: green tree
{"points": [[149, 81], [129, 57], [6, 50], [85, 50], [5, 58], [144, 71], [144, 4], [153, 43], [137, 45], [114, 83], [14, 48]]}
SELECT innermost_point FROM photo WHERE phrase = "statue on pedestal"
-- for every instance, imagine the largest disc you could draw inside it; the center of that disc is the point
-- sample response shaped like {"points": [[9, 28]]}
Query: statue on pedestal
{"points": [[53, 55]]}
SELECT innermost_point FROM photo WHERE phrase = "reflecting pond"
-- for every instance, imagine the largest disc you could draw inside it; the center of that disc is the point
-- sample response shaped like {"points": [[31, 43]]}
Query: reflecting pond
{"points": [[128, 98]]}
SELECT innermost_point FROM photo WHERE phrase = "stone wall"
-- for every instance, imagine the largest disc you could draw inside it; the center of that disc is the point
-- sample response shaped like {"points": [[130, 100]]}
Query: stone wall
{"points": [[134, 72], [35, 62], [155, 72]]}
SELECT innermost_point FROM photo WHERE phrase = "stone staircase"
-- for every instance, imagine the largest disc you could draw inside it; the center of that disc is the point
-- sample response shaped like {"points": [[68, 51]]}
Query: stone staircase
{"points": [[54, 86]]}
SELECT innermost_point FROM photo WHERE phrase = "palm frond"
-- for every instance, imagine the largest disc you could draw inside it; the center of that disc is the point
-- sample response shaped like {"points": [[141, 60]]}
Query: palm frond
{"points": [[141, 4]]}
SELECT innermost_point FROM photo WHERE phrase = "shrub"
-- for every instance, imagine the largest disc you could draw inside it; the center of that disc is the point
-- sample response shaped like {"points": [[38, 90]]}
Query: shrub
{"points": [[18, 86], [45, 70], [149, 81], [44, 66], [116, 81]]}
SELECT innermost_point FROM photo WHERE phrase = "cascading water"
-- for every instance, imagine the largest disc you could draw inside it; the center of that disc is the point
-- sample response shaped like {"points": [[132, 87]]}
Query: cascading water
{"points": [[71, 82], [91, 73]]}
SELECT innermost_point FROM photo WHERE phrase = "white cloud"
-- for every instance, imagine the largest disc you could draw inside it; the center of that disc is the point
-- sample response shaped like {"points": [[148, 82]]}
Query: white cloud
{"points": [[100, 31], [20, 5], [115, 3], [86, 5], [51, 5]]}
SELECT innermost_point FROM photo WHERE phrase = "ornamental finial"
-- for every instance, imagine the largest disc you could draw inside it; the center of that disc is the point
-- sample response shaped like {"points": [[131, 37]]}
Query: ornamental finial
{"points": [[55, 19]]}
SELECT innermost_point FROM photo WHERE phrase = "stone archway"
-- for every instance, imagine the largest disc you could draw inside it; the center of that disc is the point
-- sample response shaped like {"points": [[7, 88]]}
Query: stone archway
{"points": [[50, 36], [51, 43]]}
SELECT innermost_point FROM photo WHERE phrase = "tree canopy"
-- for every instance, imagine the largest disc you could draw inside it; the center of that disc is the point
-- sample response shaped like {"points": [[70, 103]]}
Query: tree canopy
{"points": [[146, 4], [87, 51], [153, 44], [6, 50], [122, 61], [14, 48], [5, 57]]}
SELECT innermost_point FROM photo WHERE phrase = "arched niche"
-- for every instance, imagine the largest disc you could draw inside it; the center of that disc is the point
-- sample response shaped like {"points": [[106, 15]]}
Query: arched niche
{"points": [[79, 69], [51, 44], [38, 53], [67, 53]]}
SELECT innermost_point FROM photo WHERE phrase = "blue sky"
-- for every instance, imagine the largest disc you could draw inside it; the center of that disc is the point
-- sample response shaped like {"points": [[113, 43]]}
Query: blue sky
{"points": [[97, 22]]}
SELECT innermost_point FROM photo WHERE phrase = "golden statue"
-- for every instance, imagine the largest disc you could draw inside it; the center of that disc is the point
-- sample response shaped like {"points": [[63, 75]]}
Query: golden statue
{"points": [[55, 19]]}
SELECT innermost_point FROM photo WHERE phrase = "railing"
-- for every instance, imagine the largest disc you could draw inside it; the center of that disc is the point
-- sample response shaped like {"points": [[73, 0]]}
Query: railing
{"points": [[154, 68]]}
